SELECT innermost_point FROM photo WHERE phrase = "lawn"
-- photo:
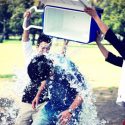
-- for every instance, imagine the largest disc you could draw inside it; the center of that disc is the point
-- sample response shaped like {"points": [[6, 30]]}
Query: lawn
{"points": [[103, 77], [86, 56]]}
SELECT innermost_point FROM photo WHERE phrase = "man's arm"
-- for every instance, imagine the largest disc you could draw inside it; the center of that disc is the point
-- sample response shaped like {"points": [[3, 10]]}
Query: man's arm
{"points": [[109, 57], [117, 44], [27, 47], [65, 116], [25, 36], [92, 12], [36, 99], [78, 100], [115, 60], [64, 48], [109, 35], [103, 50]]}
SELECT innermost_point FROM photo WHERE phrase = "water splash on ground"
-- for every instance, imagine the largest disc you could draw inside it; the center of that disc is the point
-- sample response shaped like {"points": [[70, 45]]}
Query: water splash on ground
{"points": [[8, 111]]}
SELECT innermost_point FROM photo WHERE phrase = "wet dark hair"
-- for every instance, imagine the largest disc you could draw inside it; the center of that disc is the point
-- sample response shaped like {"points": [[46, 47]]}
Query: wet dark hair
{"points": [[43, 37], [39, 69]]}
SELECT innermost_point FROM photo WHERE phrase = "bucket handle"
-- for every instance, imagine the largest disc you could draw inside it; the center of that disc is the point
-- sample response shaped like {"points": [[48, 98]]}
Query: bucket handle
{"points": [[32, 26]]}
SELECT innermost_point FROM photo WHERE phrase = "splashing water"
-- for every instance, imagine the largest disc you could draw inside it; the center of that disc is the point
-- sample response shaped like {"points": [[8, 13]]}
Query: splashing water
{"points": [[11, 96], [88, 115], [8, 111], [68, 70]]}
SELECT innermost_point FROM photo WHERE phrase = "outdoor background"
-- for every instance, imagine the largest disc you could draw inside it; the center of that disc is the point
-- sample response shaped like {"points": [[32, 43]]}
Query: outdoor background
{"points": [[103, 77]]}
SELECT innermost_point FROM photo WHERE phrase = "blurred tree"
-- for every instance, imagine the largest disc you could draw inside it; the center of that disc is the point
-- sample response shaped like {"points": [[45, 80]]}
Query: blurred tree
{"points": [[114, 13], [16, 21], [36, 19], [11, 17], [5, 14]]}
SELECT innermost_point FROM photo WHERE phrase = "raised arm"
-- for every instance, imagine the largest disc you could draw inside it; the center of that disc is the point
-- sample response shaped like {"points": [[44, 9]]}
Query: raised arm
{"points": [[25, 36], [103, 50], [27, 46], [109, 35], [109, 57], [92, 12], [64, 48]]}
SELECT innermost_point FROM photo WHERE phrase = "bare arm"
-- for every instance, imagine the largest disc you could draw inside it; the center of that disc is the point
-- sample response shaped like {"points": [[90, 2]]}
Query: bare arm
{"points": [[64, 47], [92, 12], [78, 100], [25, 36], [36, 99], [103, 50], [109, 35], [26, 45], [109, 57], [65, 116]]}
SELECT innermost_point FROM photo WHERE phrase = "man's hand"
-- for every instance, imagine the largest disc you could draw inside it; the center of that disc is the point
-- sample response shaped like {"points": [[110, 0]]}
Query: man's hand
{"points": [[35, 102], [64, 47], [27, 14], [91, 11], [99, 37], [64, 117]]}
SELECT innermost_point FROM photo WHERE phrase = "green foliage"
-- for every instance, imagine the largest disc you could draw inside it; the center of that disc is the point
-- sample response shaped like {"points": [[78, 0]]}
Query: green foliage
{"points": [[11, 13], [16, 20], [7, 76], [5, 15], [114, 13]]}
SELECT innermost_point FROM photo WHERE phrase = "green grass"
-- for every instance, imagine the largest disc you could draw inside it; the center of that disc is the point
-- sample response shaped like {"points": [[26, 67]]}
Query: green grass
{"points": [[7, 76], [87, 57], [12, 41], [10, 56]]}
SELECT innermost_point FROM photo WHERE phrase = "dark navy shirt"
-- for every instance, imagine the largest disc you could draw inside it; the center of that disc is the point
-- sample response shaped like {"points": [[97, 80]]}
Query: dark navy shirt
{"points": [[38, 70], [64, 84], [115, 60], [118, 45]]}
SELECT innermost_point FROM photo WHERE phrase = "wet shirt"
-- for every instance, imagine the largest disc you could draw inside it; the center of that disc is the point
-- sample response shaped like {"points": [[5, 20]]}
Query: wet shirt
{"points": [[38, 70], [65, 84], [30, 92]]}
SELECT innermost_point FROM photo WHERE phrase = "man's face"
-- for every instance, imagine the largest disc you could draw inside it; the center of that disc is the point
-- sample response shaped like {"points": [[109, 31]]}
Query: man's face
{"points": [[43, 48]]}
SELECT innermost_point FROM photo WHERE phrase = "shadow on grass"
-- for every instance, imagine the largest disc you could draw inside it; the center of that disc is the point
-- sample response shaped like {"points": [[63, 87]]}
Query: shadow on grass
{"points": [[107, 107]]}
